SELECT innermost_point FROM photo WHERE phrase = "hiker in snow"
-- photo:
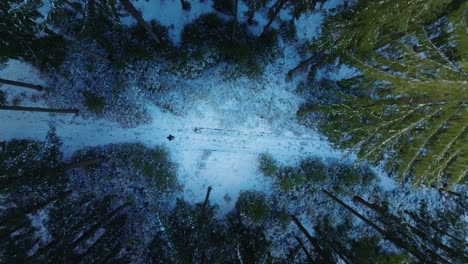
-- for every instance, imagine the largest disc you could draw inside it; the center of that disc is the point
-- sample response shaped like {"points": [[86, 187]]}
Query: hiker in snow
{"points": [[170, 137]]}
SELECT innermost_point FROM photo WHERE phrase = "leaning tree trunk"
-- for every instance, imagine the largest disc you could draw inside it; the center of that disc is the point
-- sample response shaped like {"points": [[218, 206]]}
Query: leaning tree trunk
{"points": [[39, 109], [134, 12], [423, 222], [337, 251], [310, 259], [330, 242], [277, 8], [234, 22], [312, 240], [29, 210], [114, 230], [394, 239], [70, 4], [373, 207], [418, 232], [98, 225], [303, 65], [207, 199], [201, 225], [22, 84], [78, 46]]}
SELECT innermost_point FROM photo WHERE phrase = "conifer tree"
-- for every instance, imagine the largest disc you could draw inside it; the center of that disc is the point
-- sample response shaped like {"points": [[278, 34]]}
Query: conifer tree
{"points": [[407, 105]]}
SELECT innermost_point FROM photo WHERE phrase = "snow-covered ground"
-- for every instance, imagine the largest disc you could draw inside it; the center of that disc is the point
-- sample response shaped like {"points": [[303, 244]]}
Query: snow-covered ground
{"points": [[217, 141], [223, 127]]}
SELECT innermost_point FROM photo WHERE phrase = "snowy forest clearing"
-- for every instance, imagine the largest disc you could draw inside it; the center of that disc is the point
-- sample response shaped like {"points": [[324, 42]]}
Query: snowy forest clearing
{"points": [[218, 149], [220, 126]]}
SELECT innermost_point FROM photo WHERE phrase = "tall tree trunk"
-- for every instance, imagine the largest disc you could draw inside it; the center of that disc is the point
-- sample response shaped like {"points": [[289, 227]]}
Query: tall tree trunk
{"points": [[39, 109], [373, 207], [397, 241], [132, 10], [59, 243], [304, 249], [207, 199], [314, 59], [336, 246], [78, 46], [31, 209], [423, 222], [201, 225], [22, 84], [70, 4], [312, 240], [451, 252], [111, 233], [338, 252], [276, 10], [234, 22], [415, 230], [96, 226]]}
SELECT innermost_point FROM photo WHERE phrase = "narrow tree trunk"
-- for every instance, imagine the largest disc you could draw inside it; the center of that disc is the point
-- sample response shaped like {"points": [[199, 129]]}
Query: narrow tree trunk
{"points": [[314, 59], [451, 252], [234, 22], [419, 233], [84, 163], [398, 242], [309, 257], [337, 252], [96, 226], [31, 209], [38, 109], [110, 234], [277, 8], [335, 246], [207, 199], [423, 222], [22, 84], [311, 239], [58, 244], [70, 4], [373, 207], [78, 46], [201, 226], [18, 213], [132, 10]]}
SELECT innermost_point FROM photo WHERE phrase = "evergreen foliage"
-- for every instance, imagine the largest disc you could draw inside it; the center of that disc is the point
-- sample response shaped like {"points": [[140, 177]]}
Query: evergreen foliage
{"points": [[413, 110], [268, 165], [22, 36]]}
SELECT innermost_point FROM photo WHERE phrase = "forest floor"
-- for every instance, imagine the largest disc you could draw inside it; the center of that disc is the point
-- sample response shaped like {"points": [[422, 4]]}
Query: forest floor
{"points": [[218, 137], [220, 126]]}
